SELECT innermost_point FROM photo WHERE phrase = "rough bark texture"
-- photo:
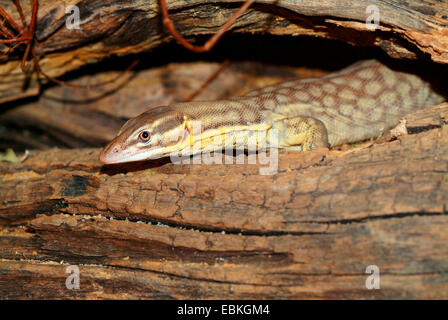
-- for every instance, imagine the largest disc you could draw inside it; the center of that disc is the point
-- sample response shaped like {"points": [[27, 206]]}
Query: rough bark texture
{"points": [[159, 230], [407, 29], [308, 231]]}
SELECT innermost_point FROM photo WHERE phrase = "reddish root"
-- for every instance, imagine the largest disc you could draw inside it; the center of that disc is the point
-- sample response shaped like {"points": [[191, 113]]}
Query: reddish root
{"points": [[210, 42]]}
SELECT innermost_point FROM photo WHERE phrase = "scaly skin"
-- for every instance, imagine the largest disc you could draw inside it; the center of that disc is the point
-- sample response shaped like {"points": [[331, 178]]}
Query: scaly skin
{"points": [[356, 103]]}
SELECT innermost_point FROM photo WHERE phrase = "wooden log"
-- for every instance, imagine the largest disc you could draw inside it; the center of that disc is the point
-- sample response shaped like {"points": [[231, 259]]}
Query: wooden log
{"points": [[121, 27], [160, 230]]}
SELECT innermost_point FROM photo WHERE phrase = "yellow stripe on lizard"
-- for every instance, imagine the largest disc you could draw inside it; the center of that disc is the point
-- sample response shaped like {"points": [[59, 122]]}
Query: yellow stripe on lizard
{"points": [[353, 104]]}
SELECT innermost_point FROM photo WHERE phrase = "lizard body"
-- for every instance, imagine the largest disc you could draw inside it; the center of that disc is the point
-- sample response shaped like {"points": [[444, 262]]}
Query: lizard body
{"points": [[353, 104]]}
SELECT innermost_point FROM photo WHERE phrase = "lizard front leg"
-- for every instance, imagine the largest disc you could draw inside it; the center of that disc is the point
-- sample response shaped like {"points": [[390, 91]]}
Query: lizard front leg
{"points": [[305, 132]]}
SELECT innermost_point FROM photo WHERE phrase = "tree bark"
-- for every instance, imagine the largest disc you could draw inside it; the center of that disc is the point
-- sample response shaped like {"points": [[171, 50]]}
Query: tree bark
{"points": [[160, 230], [407, 29]]}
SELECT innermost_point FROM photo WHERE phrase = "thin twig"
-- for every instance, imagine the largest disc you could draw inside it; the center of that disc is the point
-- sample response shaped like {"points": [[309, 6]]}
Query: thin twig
{"points": [[35, 5], [22, 16], [210, 42], [208, 81], [12, 22]]}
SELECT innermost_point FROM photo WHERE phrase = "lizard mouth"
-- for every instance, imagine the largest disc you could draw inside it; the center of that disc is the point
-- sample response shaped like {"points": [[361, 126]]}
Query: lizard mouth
{"points": [[111, 154], [114, 153]]}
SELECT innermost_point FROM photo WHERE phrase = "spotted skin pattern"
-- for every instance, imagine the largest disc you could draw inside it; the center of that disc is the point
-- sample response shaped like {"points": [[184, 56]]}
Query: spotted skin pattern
{"points": [[353, 104], [356, 103]]}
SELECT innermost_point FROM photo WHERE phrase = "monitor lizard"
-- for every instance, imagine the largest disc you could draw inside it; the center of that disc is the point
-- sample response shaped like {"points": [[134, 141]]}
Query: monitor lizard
{"points": [[353, 104]]}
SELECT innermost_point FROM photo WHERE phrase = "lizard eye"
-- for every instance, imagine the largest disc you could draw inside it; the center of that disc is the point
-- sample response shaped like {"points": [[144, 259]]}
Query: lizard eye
{"points": [[144, 136]]}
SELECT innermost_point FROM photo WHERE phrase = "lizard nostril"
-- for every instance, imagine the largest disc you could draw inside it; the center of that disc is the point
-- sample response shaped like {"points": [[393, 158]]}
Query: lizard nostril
{"points": [[115, 150]]}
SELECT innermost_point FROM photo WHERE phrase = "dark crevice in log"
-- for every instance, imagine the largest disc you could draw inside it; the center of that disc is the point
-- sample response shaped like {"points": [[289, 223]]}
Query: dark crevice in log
{"points": [[12, 214], [399, 215], [162, 223], [416, 130]]}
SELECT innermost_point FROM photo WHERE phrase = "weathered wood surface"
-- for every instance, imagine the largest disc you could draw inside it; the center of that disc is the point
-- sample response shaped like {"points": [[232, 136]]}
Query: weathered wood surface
{"points": [[121, 27], [224, 231]]}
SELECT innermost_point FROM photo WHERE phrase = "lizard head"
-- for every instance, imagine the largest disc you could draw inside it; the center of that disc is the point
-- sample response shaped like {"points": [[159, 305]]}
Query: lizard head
{"points": [[153, 134]]}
